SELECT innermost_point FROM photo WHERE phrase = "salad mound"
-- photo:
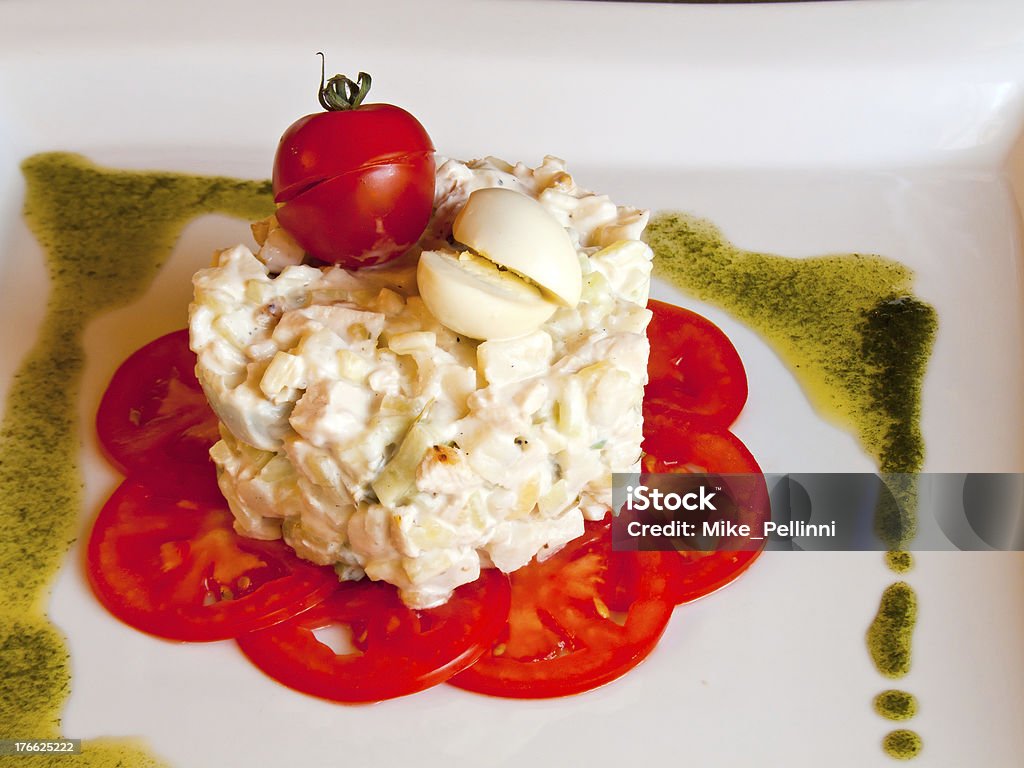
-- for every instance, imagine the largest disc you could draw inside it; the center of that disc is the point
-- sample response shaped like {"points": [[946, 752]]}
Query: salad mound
{"points": [[359, 426]]}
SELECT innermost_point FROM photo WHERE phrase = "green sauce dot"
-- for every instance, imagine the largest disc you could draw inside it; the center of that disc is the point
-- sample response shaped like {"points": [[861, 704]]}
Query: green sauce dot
{"points": [[899, 561], [891, 631], [902, 744], [896, 705]]}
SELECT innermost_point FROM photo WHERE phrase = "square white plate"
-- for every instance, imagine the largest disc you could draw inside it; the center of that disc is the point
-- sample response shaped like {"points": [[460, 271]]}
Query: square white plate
{"points": [[876, 126]]}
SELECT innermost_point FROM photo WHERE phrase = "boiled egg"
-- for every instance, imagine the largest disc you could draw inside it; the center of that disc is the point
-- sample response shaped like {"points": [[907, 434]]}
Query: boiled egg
{"points": [[520, 266]]}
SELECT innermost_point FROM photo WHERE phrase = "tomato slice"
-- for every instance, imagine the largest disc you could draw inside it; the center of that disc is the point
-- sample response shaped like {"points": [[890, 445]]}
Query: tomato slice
{"points": [[676, 441], [154, 422], [177, 569], [394, 650], [580, 619], [694, 364]]}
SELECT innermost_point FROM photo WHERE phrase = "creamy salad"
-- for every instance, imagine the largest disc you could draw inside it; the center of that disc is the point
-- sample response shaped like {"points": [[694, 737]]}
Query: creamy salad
{"points": [[375, 435]]}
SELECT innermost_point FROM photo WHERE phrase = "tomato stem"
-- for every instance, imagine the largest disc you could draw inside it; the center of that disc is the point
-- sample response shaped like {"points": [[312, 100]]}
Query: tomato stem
{"points": [[339, 93]]}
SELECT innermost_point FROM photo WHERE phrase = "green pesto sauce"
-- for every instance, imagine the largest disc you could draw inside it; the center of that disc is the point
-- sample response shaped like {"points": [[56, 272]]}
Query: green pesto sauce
{"points": [[902, 744], [896, 705], [847, 325], [899, 561], [105, 234], [895, 521], [891, 631]]}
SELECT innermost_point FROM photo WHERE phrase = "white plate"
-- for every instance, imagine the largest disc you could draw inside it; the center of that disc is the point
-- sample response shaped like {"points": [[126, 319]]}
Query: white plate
{"points": [[873, 126]]}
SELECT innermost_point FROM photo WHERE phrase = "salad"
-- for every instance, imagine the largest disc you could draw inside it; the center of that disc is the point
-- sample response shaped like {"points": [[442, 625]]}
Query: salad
{"points": [[425, 375], [366, 422]]}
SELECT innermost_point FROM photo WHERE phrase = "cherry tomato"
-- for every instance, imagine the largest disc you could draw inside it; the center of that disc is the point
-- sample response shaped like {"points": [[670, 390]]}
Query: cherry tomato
{"points": [[154, 422], [386, 208], [580, 619], [356, 182], [395, 650], [176, 569], [676, 441], [694, 364]]}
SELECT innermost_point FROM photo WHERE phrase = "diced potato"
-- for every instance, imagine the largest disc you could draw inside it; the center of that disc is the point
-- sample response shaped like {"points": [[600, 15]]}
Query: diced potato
{"points": [[572, 409], [398, 477], [414, 341], [505, 361], [352, 366], [237, 327], [285, 372], [260, 292]]}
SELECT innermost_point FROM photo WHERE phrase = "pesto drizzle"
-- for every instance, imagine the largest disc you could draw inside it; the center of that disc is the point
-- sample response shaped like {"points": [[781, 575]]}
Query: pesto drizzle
{"points": [[851, 330], [847, 325], [105, 234]]}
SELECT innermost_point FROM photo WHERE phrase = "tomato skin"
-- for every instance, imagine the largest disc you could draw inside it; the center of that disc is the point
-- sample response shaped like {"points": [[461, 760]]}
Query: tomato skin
{"points": [[699, 574], [364, 217], [694, 365], [356, 187], [154, 421], [321, 146], [558, 642], [676, 441], [401, 651], [161, 565]]}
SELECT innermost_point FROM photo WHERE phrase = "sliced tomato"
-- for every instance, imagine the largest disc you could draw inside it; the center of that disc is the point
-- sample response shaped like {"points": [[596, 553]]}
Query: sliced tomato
{"points": [[580, 619], [176, 569], [154, 421], [677, 441], [694, 365], [394, 650]]}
